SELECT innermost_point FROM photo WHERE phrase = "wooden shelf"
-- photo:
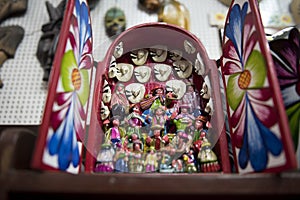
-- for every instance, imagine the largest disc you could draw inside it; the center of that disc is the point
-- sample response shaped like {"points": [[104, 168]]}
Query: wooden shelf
{"points": [[30, 184], [19, 181]]}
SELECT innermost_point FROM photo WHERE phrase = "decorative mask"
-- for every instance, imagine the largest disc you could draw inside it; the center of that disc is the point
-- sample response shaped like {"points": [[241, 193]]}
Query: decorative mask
{"points": [[115, 21]]}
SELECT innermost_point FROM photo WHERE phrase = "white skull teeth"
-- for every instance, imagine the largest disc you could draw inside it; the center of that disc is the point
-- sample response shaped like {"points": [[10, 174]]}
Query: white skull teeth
{"points": [[199, 66], [118, 52], [142, 74], [135, 92], [188, 46], [139, 57], [106, 97], [183, 68], [159, 53], [162, 72], [178, 87], [104, 112]]}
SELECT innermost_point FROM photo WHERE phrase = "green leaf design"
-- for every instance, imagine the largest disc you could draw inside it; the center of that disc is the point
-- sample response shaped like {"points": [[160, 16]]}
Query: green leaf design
{"points": [[67, 66], [257, 66]]}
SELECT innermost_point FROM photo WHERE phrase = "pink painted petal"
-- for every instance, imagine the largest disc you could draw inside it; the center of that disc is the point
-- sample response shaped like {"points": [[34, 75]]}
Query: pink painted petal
{"points": [[86, 62], [63, 97], [250, 44], [58, 116], [229, 51], [80, 133], [238, 134], [79, 117], [87, 48], [268, 115], [238, 114], [74, 44], [262, 94], [231, 68]]}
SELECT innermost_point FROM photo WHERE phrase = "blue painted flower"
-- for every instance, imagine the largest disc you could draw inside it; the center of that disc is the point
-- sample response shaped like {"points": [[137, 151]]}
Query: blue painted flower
{"points": [[248, 93], [68, 119]]}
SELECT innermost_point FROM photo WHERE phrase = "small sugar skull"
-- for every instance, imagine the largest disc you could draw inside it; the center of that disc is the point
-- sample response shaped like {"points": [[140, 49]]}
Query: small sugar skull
{"points": [[115, 21]]}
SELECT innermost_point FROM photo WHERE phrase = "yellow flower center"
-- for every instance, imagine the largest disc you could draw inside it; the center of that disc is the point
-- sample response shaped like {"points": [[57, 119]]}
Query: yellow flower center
{"points": [[76, 79], [244, 79]]}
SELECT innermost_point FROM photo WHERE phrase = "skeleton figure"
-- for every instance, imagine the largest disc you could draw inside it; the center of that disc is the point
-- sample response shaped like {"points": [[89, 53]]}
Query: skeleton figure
{"points": [[115, 21]]}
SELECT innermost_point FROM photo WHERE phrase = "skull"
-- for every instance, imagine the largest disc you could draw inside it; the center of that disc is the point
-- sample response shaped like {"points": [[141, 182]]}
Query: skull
{"points": [[115, 21]]}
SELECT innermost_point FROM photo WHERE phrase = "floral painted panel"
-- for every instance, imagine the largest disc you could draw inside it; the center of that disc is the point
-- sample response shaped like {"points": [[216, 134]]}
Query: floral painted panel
{"points": [[66, 131], [285, 52], [256, 120]]}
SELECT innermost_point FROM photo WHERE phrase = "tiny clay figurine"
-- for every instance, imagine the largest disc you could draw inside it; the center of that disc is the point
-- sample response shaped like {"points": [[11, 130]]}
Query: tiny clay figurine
{"points": [[189, 161], [121, 161], [104, 161], [115, 21], [119, 97], [151, 163], [184, 120], [115, 133], [207, 158], [157, 140], [134, 120]]}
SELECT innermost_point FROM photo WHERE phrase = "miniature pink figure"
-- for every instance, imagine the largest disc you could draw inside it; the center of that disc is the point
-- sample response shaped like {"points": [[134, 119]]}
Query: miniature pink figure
{"points": [[151, 161], [191, 98], [134, 120], [115, 133], [119, 97]]}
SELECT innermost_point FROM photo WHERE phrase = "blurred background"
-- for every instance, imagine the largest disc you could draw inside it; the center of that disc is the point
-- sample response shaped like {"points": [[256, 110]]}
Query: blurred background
{"points": [[24, 91]]}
